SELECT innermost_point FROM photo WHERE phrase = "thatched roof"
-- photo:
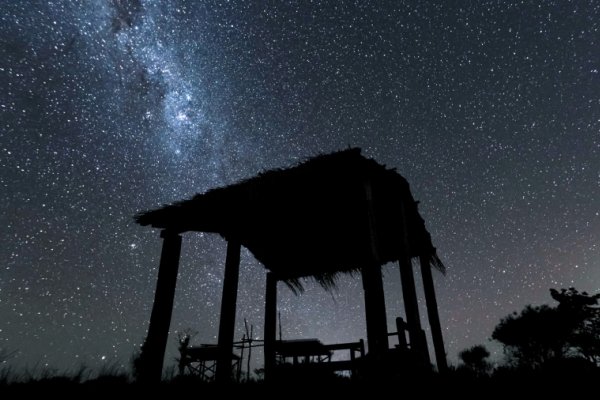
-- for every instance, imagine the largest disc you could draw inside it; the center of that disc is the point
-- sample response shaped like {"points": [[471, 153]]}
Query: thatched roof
{"points": [[311, 220]]}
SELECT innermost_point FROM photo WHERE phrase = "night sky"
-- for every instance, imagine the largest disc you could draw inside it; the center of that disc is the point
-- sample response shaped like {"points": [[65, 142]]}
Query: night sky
{"points": [[490, 109]]}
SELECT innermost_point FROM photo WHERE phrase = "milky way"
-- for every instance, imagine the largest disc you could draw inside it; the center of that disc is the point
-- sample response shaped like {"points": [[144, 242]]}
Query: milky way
{"points": [[490, 109]]}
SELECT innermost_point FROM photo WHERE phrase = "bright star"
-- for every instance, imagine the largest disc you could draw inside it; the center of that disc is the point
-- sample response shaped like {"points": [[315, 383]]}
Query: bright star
{"points": [[181, 116]]}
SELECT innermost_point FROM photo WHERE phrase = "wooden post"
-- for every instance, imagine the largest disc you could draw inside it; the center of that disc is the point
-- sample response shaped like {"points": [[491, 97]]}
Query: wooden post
{"points": [[153, 351], [249, 335], [239, 370], [401, 329], [409, 292], [270, 333], [424, 348], [376, 317], [375, 310], [228, 306], [433, 315]]}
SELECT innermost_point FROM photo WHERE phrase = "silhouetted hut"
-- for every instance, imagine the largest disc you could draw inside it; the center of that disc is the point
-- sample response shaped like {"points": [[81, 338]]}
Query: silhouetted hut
{"points": [[333, 214]]}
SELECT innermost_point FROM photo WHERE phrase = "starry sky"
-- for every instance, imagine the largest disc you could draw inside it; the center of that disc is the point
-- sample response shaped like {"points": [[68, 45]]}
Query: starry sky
{"points": [[490, 109]]}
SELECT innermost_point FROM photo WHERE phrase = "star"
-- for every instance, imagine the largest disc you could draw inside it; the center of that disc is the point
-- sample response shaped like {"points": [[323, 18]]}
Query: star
{"points": [[489, 109]]}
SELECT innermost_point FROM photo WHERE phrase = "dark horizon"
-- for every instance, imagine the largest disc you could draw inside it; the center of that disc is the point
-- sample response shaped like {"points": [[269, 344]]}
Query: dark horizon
{"points": [[491, 112]]}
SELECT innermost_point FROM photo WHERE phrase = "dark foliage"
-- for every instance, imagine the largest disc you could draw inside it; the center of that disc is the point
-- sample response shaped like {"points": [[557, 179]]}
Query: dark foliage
{"points": [[581, 313], [475, 359], [543, 334]]}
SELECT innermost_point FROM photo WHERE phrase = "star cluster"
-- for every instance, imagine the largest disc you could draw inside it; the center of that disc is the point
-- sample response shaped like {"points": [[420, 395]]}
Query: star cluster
{"points": [[490, 109]]}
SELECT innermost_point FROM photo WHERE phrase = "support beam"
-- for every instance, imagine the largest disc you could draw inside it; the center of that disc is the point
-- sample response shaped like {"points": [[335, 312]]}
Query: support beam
{"points": [[434, 317], [150, 363], [376, 317], [270, 333], [401, 329], [409, 292], [424, 348], [411, 306], [228, 307], [375, 311]]}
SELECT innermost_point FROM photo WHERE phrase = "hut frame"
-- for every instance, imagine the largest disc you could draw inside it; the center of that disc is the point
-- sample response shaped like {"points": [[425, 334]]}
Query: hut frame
{"points": [[335, 213]]}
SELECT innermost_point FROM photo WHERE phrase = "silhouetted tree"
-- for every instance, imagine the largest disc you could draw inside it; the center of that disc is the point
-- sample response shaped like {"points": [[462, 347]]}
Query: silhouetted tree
{"points": [[541, 334], [475, 359], [183, 338], [138, 364], [579, 311], [532, 337]]}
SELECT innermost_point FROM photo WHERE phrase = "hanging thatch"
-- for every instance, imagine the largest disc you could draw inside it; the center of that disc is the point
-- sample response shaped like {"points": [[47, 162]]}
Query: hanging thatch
{"points": [[312, 220]]}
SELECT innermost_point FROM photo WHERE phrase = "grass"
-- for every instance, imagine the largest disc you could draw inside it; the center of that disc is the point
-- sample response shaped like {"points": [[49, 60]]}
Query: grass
{"points": [[459, 381]]}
